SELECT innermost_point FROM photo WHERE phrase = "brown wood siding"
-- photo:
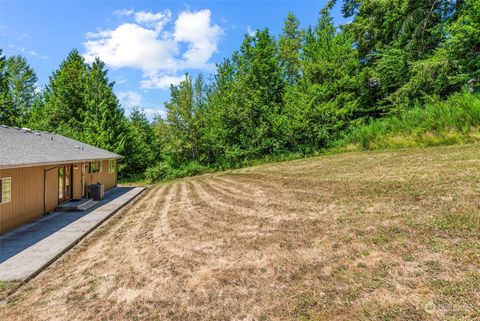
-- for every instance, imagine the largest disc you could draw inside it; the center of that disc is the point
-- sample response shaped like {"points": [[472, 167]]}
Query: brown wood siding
{"points": [[105, 178], [77, 180], [27, 201], [28, 193], [51, 187]]}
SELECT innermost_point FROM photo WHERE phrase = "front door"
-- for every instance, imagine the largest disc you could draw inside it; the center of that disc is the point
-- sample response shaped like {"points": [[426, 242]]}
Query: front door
{"points": [[64, 183]]}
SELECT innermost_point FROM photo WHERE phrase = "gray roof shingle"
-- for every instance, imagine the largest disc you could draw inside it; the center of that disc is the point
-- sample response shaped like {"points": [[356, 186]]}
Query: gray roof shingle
{"points": [[21, 147]]}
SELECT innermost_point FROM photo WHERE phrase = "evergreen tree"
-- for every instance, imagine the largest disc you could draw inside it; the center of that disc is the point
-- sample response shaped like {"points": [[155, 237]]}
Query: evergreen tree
{"points": [[462, 48], [103, 118], [5, 111], [290, 44], [65, 97], [138, 147], [417, 26], [182, 117], [162, 137], [36, 115], [139, 119], [21, 79], [219, 133], [326, 99], [257, 97]]}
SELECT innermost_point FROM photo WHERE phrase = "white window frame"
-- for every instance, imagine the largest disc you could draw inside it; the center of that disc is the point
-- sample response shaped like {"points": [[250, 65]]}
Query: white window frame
{"points": [[2, 182], [97, 167], [111, 166], [91, 167]]}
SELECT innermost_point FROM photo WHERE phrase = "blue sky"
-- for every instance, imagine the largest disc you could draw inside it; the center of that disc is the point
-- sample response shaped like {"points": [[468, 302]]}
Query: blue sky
{"points": [[146, 45]]}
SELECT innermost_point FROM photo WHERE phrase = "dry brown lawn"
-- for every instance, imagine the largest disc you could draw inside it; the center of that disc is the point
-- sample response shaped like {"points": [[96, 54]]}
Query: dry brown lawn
{"points": [[390, 235]]}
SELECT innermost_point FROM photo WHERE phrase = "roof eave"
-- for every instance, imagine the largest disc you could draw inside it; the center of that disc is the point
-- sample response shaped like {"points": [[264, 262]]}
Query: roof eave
{"points": [[9, 166]]}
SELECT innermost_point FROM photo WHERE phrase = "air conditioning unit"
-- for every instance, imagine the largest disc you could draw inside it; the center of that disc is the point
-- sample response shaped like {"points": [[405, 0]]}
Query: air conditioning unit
{"points": [[96, 191]]}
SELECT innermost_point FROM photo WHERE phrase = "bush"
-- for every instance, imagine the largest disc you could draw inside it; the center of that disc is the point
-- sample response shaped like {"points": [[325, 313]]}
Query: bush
{"points": [[165, 171], [159, 172], [191, 169], [438, 122]]}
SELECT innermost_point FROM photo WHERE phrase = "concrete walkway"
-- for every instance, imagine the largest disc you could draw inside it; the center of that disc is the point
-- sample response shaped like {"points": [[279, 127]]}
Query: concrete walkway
{"points": [[26, 251]]}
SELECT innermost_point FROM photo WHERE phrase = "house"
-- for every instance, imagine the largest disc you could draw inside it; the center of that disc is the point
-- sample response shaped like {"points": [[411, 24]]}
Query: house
{"points": [[40, 170]]}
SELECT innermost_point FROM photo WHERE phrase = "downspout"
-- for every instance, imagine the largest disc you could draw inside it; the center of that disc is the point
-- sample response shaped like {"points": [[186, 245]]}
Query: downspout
{"points": [[82, 172], [45, 189]]}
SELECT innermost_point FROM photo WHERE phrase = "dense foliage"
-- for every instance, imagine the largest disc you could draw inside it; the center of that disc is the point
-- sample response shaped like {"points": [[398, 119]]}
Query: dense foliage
{"points": [[17, 89], [455, 120], [397, 61]]}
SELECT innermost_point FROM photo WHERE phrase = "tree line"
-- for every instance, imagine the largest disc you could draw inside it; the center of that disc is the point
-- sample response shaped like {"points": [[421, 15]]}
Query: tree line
{"points": [[299, 92]]}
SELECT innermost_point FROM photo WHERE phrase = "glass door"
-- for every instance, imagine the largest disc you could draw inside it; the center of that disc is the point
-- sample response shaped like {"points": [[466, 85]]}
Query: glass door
{"points": [[64, 183], [61, 186], [68, 182]]}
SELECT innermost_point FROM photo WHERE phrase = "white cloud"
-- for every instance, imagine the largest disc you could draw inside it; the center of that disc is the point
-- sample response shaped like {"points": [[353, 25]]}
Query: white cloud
{"points": [[131, 45], [129, 98], [32, 53], [147, 44], [152, 112], [161, 81], [195, 29], [123, 12], [156, 20]]}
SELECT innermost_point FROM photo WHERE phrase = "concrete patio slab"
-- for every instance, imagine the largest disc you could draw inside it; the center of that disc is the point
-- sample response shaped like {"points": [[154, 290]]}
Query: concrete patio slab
{"points": [[26, 251]]}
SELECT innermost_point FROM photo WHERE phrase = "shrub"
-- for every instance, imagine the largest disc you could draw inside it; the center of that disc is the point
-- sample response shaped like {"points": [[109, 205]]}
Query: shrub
{"points": [[160, 171], [165, 171], [191, 169], [437, 122]]}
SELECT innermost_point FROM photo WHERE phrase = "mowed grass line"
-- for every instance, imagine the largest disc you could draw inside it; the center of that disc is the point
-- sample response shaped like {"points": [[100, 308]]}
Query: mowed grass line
{"points": [[385, 235]]}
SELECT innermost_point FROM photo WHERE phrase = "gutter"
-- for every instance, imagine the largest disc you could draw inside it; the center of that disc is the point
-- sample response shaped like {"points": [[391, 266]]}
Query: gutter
{"points": [[8, 166], [45, 189]]}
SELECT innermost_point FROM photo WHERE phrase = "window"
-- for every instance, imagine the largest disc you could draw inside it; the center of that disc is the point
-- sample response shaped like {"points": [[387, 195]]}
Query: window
{"points": [[111, 166], [100, 166], [95, 167], [5, 190]]}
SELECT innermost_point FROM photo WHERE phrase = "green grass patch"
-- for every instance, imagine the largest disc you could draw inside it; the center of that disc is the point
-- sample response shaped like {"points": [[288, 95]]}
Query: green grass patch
{"points": [[137, 180], [453, 121], [457, 222], [6, 287]]}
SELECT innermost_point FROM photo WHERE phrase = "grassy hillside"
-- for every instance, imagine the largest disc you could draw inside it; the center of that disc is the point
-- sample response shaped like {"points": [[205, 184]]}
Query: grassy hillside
{"points": [[453, 121], [382, 235]]}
